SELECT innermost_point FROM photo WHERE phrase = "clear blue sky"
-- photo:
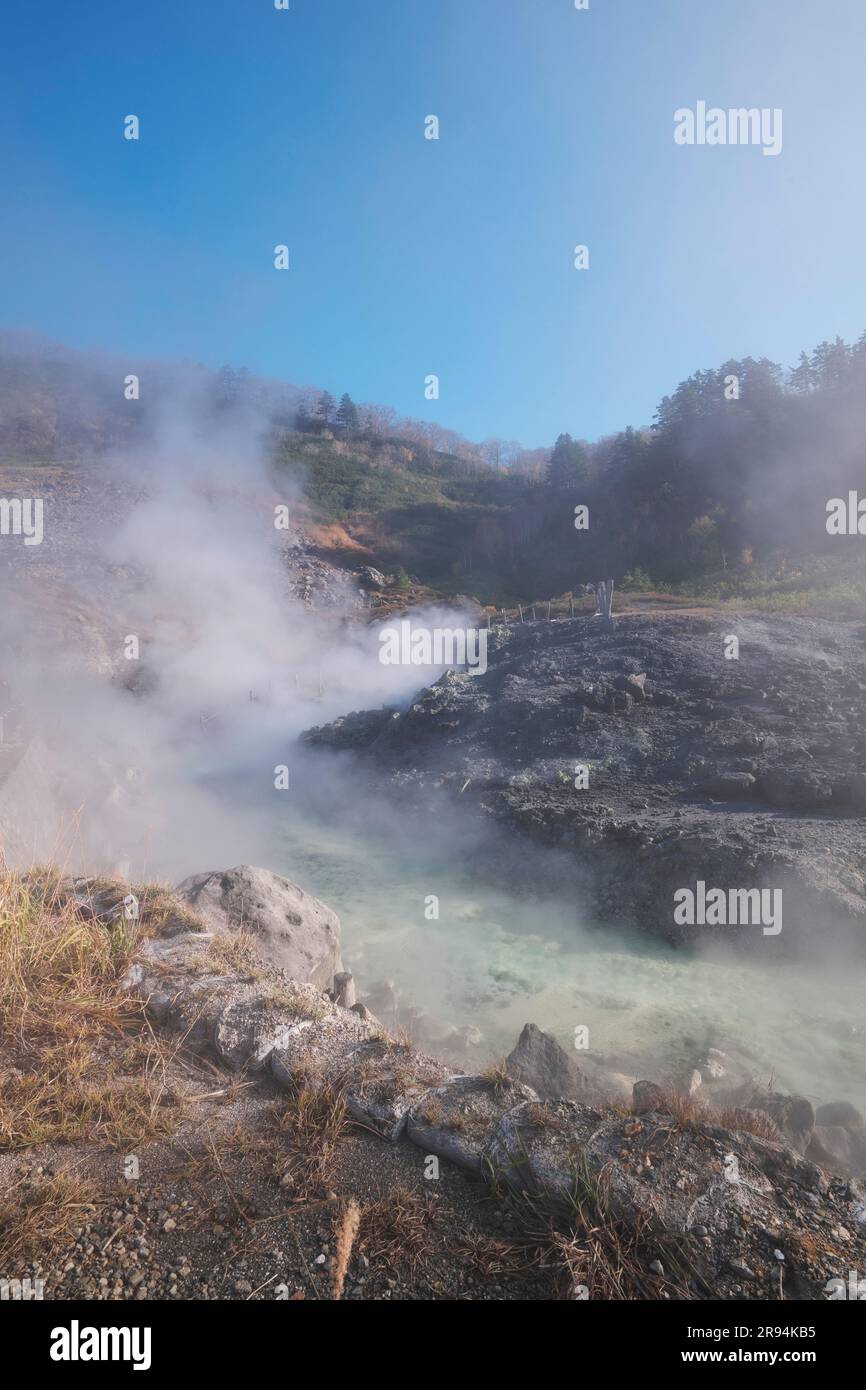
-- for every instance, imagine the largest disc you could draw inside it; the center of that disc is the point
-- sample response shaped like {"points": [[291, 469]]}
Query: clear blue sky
{"points": [[408, 256]]}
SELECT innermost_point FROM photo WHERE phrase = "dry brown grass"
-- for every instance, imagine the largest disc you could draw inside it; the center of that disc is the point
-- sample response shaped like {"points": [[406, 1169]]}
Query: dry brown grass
{"points": [[396, 1230], [497, 1077], [65, 1022], [383, 1068], [295, 1145], [747, 1122], [161, 912], [691, 1113], [235, 952], [490, 1256], [42, 1218], [303, 1005], [309, 1125], [589, 1246]]}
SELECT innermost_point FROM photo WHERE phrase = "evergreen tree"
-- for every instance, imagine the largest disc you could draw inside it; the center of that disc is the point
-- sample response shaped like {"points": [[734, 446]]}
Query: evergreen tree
{"points": [[347, 412], [568, 466], [325, 408]]}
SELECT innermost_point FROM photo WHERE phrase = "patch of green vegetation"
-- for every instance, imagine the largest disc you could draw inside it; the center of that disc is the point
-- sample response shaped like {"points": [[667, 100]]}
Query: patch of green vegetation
{"points": [[342, 481], [784, 583]]}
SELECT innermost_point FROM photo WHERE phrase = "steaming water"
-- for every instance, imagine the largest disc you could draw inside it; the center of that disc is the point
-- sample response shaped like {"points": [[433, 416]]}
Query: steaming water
{"points": [[498, 961]]}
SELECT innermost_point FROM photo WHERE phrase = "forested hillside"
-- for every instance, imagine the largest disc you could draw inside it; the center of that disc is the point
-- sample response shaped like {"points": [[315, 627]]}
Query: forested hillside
{"points": [[725, 493]]}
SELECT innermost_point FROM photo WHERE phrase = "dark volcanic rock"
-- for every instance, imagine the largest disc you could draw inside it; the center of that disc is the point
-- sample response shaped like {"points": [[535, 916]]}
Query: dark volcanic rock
{"points": [[795, 788], [741, 774], [729, 786]]}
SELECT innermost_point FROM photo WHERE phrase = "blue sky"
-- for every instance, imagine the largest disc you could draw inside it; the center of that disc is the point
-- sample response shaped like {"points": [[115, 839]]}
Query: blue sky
{"points": [[454, 257]]}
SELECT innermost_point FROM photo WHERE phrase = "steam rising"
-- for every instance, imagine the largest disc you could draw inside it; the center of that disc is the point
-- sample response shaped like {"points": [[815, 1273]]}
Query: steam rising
{"points": [[132, 769]]}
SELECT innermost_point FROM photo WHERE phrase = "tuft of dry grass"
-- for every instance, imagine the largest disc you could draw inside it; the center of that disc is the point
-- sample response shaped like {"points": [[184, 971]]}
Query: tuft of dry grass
{"points": [[295, 1145], [593, 1246], [71, 1095], [302, 1004], [43, 1217], [161, 913], [309, 1124], [747, 1121], [234, 952], [395, 1230], [59, 972], [497, 1077], [65, 1020], [491, 1257], [692, 1113]]}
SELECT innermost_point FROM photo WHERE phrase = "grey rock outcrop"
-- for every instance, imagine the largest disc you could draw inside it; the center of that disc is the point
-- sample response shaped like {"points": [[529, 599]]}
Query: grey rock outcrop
{"points": [[715, 1203], [294, 931], [455, 1120], [539, 1061]]}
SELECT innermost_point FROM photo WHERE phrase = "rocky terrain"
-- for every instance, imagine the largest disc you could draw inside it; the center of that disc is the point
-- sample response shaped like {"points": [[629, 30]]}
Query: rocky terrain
{"points": [[329, 1158], [743, 773], [293, 1121]]}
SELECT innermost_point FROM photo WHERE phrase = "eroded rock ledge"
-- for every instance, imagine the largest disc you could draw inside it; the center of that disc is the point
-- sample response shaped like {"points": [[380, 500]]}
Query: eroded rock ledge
{"points": [[732, 1213]]}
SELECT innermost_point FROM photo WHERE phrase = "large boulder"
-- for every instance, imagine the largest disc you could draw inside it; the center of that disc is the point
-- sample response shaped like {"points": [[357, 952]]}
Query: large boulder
{"points": [[294, 931]]}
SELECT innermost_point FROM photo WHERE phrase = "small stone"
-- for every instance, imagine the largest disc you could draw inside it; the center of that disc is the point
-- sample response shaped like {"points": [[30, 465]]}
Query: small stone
{"points": [[243, 1286], [170, 1224], [657, 1267]]}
